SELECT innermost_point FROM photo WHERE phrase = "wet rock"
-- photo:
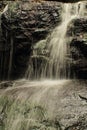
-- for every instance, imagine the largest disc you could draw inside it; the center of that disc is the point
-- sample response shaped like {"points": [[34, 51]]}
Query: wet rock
{"points": [[28, 23], [6, 84], [24, 24], [79, 58], [67, 1], [77, 30], [79, 125], [77, 27], [58, 105]]}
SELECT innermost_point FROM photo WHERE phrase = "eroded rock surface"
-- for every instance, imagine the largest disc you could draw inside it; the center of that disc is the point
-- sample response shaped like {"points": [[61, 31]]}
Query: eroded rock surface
{"points": [[23, 25], [54, 105], [77, 30]]}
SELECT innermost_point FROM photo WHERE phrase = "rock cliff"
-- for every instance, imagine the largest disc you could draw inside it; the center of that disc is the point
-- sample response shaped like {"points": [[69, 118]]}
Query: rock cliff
{"points": [[27, 23]]}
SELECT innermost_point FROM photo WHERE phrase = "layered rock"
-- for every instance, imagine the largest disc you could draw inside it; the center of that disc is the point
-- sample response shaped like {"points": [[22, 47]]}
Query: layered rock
{"points": [[24, 24], [78, 31]]}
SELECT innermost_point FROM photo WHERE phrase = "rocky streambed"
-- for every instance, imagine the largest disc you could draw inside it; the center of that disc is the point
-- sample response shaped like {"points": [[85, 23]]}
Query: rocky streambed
{"points": [[44, 105], [47, 104]]}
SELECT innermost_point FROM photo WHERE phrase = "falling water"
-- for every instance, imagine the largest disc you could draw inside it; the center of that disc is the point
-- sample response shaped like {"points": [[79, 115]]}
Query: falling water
{"points": [[58, 46], [23, 106]]}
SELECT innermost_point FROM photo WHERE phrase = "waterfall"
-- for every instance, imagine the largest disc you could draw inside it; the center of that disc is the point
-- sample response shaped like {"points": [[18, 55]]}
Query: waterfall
{"points": [[48, 104], [58, 45]]}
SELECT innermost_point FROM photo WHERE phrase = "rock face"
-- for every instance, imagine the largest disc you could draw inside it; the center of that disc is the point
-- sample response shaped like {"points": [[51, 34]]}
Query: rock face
{"points": [[78, 30], [23, 25]]}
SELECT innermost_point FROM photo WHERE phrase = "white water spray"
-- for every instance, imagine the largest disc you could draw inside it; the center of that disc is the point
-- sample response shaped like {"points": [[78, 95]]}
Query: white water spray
{"points": [[59, 67], [58, 45], [17, 104]]}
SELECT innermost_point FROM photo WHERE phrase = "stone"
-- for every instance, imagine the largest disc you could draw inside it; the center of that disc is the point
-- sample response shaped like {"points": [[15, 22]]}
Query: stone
{"points": [[67, 1], [79, 58], [29, 23], [6, 84]]}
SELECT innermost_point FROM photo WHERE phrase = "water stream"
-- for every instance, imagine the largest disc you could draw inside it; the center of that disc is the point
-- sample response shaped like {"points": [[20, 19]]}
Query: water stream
{"points": [[58, 43], [34, 105], [58, 46]]}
